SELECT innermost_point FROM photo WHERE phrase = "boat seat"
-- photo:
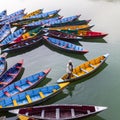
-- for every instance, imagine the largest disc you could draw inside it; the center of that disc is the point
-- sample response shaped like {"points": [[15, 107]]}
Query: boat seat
{"points": [[75, 75], [88, 111], [15, 103], [28, 99], [84, 70], [18, 67], [42, 113], [73, 112], [12, 74], [57, 113], [40, 77], [7, 93], [3, 83], [92, 66], [65, 46], [30, 83], [18, 88], [41, 95], [54, 90]]}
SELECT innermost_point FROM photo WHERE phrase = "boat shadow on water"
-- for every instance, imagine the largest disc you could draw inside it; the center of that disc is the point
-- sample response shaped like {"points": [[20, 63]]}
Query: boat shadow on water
{"points": [[95, 40], [23, 50], [44, 82], [20, 74], [69, 54], [94, 117]]}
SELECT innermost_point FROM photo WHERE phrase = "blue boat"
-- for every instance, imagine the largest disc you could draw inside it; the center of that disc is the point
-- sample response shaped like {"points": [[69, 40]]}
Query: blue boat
{"points": [[23, 84], [11, 20], [12, 15], [5, 31], [31, 97], [11, 74], [3, 63], [63, 20], [63, 45], [41, 22], [3, 14], [12, 37]]}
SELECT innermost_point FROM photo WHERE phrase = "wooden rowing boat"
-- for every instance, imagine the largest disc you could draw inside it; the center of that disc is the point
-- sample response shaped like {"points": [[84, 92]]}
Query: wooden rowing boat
{"points": [[46, 15], [86, 34], [58, 112], [72, 27], [63, 45], [12, 19], [76, 22], [5, 31], [63, 20], [41, 22], [12, 15], [24, 44], [3, 14], [62, 35], [31, 97], [31, 34], [24, 84], [39, 11], [3, 63], [12, 37], [84, 69], [11, 74], [37, 17]]}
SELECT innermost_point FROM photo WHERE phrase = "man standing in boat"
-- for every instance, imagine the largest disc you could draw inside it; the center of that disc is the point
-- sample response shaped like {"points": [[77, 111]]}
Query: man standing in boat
{"points": [[69, 69]]}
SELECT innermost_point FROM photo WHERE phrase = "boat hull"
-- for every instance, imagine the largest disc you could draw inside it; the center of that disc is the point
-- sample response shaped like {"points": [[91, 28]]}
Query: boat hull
{"points": [[84, 69], [59, 111]]}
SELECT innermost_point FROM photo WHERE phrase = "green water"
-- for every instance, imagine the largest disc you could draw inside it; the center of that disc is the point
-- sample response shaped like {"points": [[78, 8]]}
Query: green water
{"points": [[101, 88]]}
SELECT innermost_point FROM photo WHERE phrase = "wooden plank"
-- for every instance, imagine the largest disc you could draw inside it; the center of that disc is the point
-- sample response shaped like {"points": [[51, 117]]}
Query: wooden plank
{"points": [[42, 113], [7, 93], [3, 83], [92, 66], [28, 99], [73, 112], [57, 113], [15, 103], [84, 70], [30, 83], [41, 94], [75, 75], [54, 90], [18, 88]]}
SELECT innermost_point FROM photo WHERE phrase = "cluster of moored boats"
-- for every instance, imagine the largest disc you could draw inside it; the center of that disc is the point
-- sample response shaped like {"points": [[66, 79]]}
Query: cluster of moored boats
{"points": [[19, 97]]}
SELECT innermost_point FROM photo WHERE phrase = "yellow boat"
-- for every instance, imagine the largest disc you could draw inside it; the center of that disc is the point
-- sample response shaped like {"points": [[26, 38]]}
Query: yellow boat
{"points": [[71, 27], [84, 69], [33, 13]]}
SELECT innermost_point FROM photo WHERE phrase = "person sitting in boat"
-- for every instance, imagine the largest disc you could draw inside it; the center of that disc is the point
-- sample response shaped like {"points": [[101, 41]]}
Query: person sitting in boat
{"points": [[69, 69]]}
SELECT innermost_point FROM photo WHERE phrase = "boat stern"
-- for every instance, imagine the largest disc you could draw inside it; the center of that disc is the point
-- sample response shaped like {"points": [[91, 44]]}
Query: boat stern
{"points": [[14, 111], [60, 80], [100, 108], [106, 55]]}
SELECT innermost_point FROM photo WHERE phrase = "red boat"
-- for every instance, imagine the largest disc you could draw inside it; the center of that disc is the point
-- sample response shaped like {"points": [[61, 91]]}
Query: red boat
{"points": [[57, 112]]}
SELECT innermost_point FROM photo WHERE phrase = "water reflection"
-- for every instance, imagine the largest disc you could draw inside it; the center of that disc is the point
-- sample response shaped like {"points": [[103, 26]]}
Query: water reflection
{"points": [[74, 55]]}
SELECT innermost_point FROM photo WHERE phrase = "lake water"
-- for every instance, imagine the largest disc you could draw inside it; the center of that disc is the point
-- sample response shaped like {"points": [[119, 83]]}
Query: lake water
{"points": [[103, 87]]}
